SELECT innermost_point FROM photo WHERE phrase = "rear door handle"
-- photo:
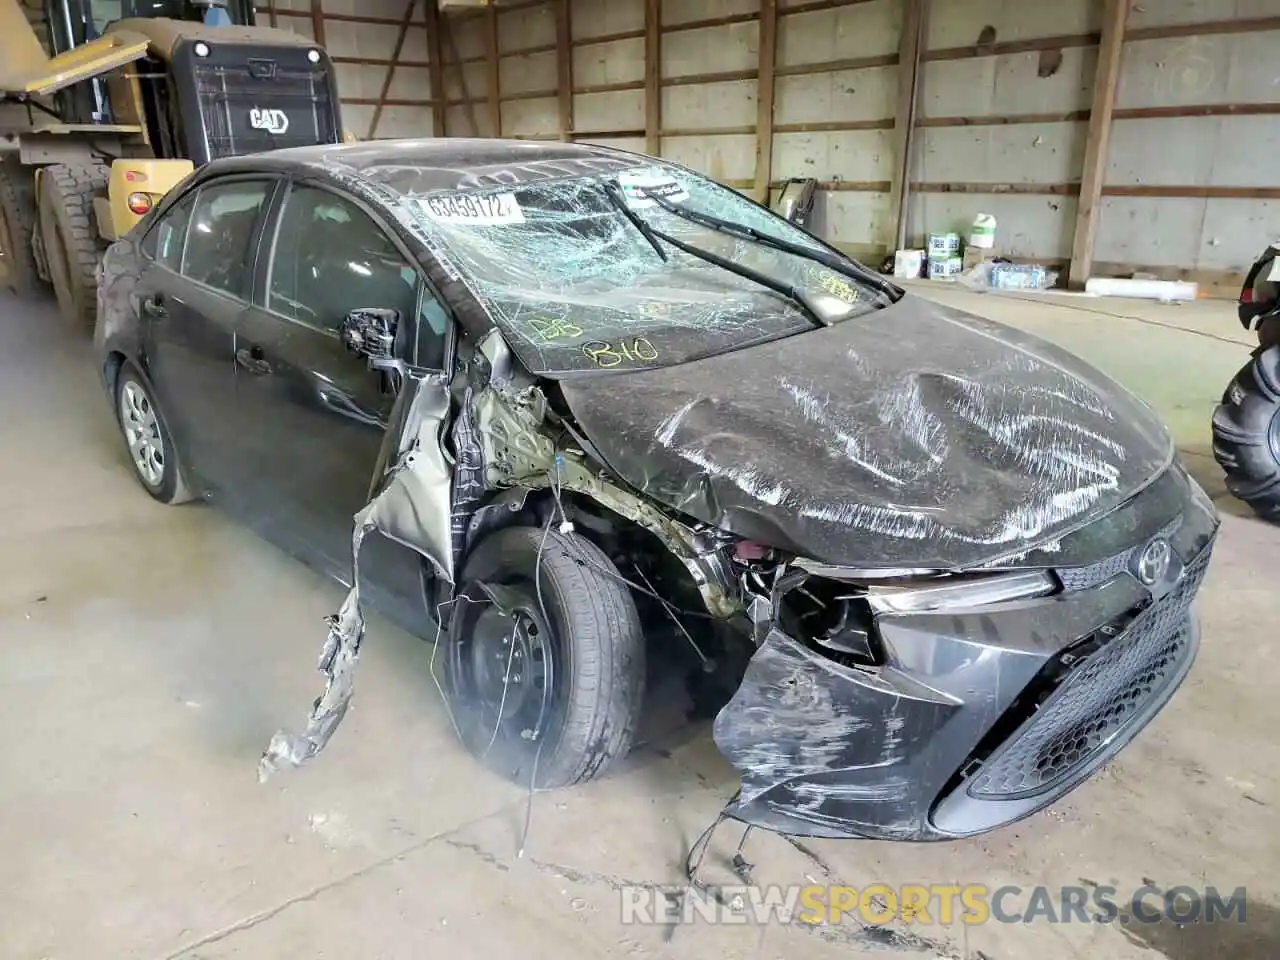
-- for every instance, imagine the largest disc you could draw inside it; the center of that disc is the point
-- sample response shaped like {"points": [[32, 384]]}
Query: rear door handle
{"points": [[252, 360], [153, 306]]}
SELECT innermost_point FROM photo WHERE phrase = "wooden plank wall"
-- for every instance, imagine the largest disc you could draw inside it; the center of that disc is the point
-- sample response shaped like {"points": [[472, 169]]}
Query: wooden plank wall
{"points": [[994, 117]]}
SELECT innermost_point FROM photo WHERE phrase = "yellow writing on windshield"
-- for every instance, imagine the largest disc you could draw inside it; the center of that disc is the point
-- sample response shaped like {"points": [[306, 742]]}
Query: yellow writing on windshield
{"points": [[605, 355], [554, 328]]}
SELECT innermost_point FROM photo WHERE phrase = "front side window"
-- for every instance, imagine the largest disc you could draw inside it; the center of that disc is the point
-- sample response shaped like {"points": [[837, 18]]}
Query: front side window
{"points": [[219, 243], [166, 240], [597, 273], [331, 258]]}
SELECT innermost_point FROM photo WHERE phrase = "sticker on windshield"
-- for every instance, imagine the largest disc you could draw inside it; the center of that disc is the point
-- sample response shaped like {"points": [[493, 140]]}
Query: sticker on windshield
{"points": [[486, 210], [641, 186]]}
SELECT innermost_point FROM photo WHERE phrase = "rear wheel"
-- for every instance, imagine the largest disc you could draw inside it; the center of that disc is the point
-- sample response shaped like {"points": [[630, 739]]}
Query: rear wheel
{"points": [[1246, 434], [155, 463], [71, 242], [546, 693], [17, 230]]}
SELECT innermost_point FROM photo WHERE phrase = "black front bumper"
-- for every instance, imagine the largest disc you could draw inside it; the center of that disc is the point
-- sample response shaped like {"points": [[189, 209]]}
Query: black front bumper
{"points": [[979, 717]]}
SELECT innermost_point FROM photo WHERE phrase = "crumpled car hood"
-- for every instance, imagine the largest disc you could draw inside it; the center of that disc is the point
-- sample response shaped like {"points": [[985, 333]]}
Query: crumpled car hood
{"points": [[915, 436]]}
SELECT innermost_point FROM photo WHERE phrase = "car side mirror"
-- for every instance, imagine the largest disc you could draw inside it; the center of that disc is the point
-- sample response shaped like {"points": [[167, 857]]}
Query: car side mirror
{"points": [[370, 332]]}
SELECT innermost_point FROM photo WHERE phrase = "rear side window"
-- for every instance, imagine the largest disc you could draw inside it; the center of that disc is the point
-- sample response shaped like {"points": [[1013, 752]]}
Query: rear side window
{"points": [[330, 258], [219, 239]]}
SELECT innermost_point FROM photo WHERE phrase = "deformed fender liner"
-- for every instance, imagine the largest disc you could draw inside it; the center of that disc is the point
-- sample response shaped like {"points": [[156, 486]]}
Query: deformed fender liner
{"points": [[517, 453], [412, 507]]}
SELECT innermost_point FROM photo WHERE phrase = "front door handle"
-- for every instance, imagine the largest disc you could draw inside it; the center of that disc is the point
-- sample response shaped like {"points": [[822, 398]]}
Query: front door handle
{"points": [[153, 306], [252, 360]]}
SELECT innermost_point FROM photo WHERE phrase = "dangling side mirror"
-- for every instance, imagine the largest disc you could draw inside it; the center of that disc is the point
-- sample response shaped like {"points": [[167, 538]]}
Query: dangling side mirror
{"points": [[370, 332]]}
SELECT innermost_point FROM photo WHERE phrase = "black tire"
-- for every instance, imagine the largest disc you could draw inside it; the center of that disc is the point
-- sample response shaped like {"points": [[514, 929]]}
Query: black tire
{"points": [[1246, 434], [71, 241], [171, 487], [583, 718], [17, 229]]}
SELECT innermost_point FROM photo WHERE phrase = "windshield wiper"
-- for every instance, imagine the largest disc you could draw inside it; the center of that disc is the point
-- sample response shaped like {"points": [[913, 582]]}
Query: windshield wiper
{"points": [[850, 269], [788, 290], [614, 192]]}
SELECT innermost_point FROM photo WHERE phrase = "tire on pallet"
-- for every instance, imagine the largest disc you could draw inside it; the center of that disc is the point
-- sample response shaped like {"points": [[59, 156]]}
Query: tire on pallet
{"points": [[588, 649], [71, 242], [1246, 434], [18, 220]]}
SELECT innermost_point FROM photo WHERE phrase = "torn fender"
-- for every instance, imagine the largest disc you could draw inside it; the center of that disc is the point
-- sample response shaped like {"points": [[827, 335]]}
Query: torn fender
{"points": [[411, 505]]}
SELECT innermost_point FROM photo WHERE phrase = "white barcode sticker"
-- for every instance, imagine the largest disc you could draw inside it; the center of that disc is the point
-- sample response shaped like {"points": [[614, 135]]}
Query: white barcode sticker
{"points": [[483, 210], [641, 186]]}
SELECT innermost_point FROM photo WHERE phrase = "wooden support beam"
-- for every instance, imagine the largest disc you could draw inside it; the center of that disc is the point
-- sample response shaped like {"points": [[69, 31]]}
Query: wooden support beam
{"points": [[435, 69], [1106, 81], [910, 48], [564, 67], [764, 97], [653, 77], [396, 50], [446, 28], [272, 17], [317, 22], [493, 59]]}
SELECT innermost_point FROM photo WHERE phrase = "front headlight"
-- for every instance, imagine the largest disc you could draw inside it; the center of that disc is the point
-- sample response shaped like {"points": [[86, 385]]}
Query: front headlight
{"points": [[958, 592]]}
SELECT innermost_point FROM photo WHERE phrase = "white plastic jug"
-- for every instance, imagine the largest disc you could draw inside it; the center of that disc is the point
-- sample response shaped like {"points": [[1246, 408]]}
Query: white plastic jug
{"points": [[983, 234]]}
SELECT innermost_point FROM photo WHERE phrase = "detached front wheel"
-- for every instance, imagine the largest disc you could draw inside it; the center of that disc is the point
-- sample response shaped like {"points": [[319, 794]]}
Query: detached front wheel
{"points": [[548, 692], [1246, 434]]}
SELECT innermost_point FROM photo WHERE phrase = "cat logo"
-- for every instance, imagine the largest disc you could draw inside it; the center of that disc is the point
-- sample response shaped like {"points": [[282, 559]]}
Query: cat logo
{"points": [[273, 121]]}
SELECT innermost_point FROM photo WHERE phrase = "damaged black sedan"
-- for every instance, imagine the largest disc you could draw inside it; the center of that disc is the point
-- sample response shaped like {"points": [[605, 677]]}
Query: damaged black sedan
{"points": [[592, 402]]}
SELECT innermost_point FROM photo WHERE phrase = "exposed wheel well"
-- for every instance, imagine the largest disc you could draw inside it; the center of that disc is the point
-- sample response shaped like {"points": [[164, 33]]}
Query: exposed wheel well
{"points": [[111, 369]]}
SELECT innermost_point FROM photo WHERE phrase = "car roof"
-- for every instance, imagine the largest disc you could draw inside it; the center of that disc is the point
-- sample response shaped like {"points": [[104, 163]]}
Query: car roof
{"points": [[422, 166]]}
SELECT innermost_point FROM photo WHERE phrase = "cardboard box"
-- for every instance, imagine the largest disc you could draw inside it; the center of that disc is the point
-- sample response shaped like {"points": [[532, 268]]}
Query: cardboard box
{"points": [[945, 268], [908, 264], [976, 255], [943, 245]]}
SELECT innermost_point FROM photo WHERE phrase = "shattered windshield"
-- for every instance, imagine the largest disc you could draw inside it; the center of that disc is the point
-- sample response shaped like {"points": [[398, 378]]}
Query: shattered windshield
{"points": [[602, 273]]}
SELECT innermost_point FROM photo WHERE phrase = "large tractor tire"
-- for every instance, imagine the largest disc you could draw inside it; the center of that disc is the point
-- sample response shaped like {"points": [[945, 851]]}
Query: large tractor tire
{"points": [[71, 242], [17, 229], [1246, 434]]}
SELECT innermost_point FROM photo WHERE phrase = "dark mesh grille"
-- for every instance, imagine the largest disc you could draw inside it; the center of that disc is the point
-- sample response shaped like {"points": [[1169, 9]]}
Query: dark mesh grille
{"points": [[1097, 700], [1095, 574], [228, 93]]}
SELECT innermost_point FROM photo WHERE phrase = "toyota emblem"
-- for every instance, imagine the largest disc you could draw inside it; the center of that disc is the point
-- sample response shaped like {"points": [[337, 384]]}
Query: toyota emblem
{"points": [[1154, 562]]}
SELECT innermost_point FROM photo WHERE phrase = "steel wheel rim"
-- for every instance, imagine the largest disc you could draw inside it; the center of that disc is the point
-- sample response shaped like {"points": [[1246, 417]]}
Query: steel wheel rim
{"points": [[142, 432], [483, 662]]}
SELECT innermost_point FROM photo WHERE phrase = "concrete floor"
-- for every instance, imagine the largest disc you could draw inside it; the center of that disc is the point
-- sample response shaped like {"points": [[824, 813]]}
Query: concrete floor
{"points": [[150, 652]]}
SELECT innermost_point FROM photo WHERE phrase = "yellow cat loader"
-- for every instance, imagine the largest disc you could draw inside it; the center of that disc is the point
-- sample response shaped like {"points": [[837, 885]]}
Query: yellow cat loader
{"points": [[136, 95]]}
